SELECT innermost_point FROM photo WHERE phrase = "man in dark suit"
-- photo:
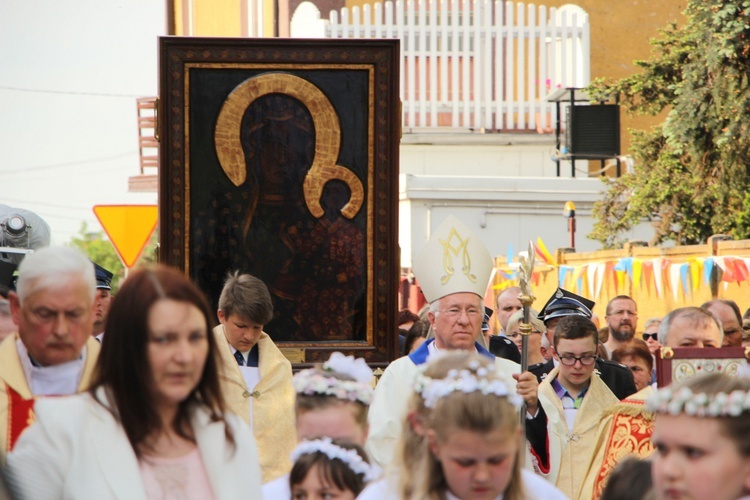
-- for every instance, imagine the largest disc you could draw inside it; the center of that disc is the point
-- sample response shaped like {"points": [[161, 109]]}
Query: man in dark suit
{"points": [[563, 303], [500, 345]]}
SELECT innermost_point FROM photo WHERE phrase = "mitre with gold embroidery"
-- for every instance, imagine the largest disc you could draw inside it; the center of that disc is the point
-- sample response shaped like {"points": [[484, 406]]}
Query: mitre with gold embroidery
{"points": [[453, 260]]}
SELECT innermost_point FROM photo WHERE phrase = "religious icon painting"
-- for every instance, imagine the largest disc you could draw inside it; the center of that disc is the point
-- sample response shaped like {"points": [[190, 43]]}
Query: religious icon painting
{"points": [[279, 158], [675, 365]]}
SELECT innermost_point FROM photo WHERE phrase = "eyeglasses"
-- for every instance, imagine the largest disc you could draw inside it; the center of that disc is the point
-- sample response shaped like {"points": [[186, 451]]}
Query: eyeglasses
{"points": [[455, 312], [518, 334], [587, 360], [651, 336], [623, 312]]}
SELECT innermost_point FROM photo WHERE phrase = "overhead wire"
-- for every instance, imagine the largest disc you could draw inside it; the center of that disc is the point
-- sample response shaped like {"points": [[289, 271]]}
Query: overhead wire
{"points": [[71, 92]]}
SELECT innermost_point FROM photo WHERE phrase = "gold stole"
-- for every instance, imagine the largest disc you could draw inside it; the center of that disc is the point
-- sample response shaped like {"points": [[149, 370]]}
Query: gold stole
{"points": [[273, 402], [16, 400], [578, 445], [625, 431]]}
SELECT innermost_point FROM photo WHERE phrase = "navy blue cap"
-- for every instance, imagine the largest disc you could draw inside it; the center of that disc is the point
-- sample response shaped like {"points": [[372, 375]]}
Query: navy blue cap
{"points": [[565, 303], [103, 277], [7, 277], [487, 314]]}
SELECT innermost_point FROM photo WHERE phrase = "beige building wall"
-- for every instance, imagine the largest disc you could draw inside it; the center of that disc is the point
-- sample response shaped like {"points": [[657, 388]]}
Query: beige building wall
{"points": [[620, 34], [220, 17]]}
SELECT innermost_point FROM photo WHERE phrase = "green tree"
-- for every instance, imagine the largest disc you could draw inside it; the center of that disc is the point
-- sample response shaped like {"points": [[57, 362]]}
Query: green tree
{"points": [[100, 250], [691, 176]]}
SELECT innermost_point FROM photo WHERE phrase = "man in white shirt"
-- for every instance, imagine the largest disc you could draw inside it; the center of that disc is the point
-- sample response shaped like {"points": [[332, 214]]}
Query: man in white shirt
{"points": [[53, 352]]}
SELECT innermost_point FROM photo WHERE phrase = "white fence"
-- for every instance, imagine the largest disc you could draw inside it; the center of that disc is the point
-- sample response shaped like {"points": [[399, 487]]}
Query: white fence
{"points": [[470, 64]]}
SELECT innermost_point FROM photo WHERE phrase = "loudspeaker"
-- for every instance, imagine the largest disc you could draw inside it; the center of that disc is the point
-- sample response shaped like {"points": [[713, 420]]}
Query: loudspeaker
{"points": [[593, 132]]}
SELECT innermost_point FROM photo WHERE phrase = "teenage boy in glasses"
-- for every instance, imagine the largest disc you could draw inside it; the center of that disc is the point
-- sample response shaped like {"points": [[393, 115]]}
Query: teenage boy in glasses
{"points": [[563, 303], [574, 399]]}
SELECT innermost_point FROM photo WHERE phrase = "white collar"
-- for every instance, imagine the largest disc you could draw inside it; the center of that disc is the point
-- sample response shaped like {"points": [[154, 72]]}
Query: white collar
{"points": [[57, 380], [434, 350]]}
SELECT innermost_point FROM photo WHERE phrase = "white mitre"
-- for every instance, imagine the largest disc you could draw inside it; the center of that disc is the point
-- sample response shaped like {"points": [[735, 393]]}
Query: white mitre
{"points": [[454, 260]]}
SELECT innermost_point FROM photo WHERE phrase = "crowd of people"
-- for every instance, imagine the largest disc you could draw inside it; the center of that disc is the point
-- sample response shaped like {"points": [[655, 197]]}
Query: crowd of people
{"points": [[152, 394]]}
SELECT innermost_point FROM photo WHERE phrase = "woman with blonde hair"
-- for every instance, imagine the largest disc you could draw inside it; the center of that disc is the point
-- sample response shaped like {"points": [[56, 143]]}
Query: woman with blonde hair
{"points": [[538, 331], [461, 439], [702, 438]]}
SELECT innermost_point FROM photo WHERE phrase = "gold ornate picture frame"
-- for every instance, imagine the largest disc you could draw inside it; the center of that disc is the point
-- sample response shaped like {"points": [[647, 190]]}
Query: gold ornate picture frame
{"points": [[673, 365], [279, 158]]}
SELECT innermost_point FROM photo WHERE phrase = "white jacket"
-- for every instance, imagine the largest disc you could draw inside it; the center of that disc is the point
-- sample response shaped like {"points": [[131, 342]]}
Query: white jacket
{"points": [[76, 449]]}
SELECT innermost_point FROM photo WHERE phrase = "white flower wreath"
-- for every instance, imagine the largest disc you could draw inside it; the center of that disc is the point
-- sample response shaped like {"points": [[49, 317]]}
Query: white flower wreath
{"points": [[311, 381], [432, 389], [356, 368], [683, 400], [350, 457]]}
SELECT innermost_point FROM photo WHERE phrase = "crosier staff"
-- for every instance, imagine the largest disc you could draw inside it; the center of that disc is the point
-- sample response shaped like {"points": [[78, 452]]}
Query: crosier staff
{"points": [[527, 298]]}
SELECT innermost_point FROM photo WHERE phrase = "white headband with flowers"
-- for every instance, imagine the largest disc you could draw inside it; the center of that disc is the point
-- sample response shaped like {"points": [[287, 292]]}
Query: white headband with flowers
{"points": [[474, 379], [351, 458], [311, 382], [700, 404]]}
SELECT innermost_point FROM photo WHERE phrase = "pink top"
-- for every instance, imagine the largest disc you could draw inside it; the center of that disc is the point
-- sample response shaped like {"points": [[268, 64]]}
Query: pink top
{"points": [[181, 478]]}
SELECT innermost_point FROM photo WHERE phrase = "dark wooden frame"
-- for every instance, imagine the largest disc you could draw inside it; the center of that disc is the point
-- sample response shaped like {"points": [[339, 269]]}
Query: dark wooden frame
{"points": [[380, 58], [668, 359]]}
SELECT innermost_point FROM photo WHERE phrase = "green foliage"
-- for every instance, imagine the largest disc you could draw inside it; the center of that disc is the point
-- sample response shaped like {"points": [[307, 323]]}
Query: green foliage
{"points": [[100, 250], [691, 176]]}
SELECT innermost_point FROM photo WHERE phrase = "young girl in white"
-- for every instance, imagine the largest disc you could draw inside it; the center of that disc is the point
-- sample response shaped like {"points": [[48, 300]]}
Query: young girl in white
{"points": [[331, 401], [702, 439], [462, 440], [328, 469]]}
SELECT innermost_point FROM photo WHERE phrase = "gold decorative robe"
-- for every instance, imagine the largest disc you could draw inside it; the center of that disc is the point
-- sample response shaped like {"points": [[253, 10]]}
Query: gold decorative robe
{"points": [[625, 431], [570, 452], [16, 400], [273, 402]]}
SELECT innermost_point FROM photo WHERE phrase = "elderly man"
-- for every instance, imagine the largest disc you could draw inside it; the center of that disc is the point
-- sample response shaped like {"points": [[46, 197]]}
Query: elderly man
{"points": [[507, 304], [563, 303], [622, 320], [453, 271], [729, 315], [53, 352], [690, 327], [626, 429]]}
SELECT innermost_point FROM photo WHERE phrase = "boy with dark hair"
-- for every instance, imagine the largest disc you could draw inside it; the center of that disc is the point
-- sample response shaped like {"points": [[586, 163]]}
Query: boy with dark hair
{"points": [[573, 400]]}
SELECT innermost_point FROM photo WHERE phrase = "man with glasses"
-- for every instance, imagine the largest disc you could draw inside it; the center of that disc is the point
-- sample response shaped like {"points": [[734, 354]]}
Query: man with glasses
{"points": [[622, 320], [574, 399], [563, 303], [52, 353], [453, 271]]}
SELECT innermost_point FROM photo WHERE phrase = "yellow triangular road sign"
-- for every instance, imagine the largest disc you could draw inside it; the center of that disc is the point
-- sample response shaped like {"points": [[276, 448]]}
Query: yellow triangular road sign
{"points": [[129, 227]]}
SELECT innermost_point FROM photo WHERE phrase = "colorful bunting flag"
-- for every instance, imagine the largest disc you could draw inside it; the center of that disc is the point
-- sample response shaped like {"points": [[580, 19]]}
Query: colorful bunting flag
{"points": [[542, 252]]}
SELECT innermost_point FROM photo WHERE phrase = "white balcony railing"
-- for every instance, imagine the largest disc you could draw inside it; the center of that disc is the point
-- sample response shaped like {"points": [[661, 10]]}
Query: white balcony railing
{"points": [[470, 64]]}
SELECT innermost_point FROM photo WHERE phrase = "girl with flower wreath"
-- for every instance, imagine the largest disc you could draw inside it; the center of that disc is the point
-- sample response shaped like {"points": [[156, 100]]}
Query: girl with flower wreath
{"points": [[461, 439], [329, 469], [702, 438], [332, 400]]}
